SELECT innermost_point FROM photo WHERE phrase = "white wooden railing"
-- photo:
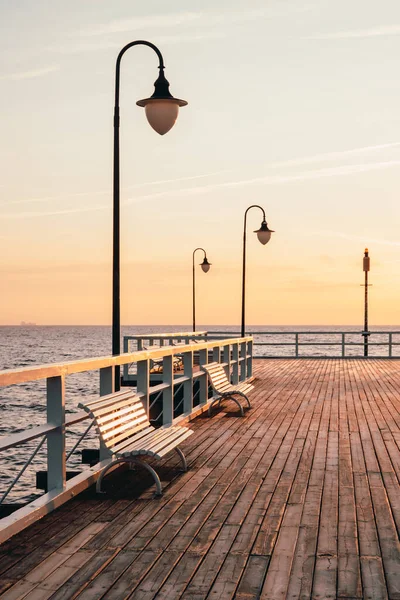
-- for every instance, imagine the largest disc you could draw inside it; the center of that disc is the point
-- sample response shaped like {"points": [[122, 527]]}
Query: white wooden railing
{"points": [[234, 354], [326, 344]]}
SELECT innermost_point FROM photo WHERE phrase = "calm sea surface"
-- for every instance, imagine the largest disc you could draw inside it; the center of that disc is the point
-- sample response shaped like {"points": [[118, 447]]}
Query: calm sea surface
{"points": [[22, 406]]}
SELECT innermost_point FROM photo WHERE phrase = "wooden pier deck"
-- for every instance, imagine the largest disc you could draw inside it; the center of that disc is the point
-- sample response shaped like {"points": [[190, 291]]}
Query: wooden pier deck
{"points": [[299, 499]]}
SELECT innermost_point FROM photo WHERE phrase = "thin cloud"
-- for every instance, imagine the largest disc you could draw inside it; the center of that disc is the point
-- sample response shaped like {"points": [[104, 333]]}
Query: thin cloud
{"points": [[53, 213], [151, 21], [274, 179], [208, 26], [96, 46], [30, 74], [176, 19], [334, 155], [384, 30], [109, 191], [265, 180]]}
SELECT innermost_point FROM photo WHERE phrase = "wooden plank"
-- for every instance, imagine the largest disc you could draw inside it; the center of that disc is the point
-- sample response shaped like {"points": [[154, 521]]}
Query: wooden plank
{"points": [[288, 502], [253, 578]]}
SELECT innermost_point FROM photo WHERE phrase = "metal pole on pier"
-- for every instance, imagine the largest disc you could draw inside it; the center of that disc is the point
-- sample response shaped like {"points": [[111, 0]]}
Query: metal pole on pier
{"points": [[205, 265], [161, 112], [366, 268], [264, 235]]}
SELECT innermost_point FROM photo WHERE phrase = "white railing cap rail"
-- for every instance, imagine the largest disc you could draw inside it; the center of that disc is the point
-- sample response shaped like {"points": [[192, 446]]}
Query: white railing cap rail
{"points": [[149, 336], [14, 376]]}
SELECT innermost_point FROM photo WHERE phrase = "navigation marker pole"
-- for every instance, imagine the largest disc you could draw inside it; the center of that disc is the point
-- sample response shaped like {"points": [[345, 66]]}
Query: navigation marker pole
{"points": [[366, 268]]}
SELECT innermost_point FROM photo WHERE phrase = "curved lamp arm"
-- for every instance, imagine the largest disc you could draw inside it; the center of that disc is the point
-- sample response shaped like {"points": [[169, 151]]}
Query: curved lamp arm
{"points": [[247, 210], [194, 252], [120, 55]]}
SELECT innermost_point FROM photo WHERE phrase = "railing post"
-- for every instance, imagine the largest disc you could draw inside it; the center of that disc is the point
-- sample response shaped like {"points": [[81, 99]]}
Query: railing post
{"points": [[216, 354], [235, 360], [143, 382], [297, 345], [125, 369], [107, 386], [203, 381], [390, 345], [56, 457], [188, 385], [168, 394], [243, 348], [343, 344], [249, 359], [107, 380], [226, 357]]}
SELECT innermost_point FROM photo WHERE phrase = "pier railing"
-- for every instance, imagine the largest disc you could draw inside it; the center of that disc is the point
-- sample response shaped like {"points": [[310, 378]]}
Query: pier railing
{"points": [[235, 354], [327, 344], [143, 341]]}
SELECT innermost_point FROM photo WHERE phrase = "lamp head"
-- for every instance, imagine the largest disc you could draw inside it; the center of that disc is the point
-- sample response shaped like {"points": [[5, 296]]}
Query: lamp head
{"points": [[161, 108], [205, 265], [264, 233]]}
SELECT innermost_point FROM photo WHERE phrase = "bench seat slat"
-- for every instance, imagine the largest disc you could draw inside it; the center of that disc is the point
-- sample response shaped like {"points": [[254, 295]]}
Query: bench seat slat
{"points": [[122, 413], [150, 439], [175, 439], [168, 449], [123, 429], [118, 448], [109, 399], [135, 427], [103, 414], [109, 410], [119, 422], [108, 407], [162, 440]]}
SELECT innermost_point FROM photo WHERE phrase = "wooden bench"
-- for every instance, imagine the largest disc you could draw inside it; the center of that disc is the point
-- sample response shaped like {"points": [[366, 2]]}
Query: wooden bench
{"points": [[126, 434], [223, 388]]}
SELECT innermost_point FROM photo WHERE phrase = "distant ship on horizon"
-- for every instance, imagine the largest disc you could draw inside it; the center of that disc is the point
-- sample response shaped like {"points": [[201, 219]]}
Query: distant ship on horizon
{"points": [[27, 324]]}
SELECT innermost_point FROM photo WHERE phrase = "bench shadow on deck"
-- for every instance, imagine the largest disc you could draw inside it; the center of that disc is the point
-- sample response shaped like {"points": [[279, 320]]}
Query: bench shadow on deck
{"points": [[298, 499]]}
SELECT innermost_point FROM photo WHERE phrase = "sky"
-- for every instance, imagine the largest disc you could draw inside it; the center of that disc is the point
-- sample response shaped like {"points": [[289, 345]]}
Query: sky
{"points": [[293, 105]]}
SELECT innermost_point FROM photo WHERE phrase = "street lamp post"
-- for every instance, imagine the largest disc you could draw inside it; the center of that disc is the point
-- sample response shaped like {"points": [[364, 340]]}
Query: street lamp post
{"points": [[264, 235], [161, 112], [205, 265]]}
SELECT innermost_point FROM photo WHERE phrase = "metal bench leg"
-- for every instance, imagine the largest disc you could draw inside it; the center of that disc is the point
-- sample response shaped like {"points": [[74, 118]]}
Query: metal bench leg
{"points": [[225, 397], [130, 460], [183, 459], [154, 474], [244, 396], [239, 405], [212, 404]]}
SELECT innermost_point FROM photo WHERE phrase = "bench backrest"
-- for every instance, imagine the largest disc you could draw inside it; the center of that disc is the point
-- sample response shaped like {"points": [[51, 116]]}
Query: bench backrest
{"points": [[217, 376], [118, 417]]}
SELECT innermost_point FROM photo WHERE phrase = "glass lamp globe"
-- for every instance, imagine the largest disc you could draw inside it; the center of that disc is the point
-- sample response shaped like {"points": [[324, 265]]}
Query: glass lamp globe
{"points": [[205, 265], [264, 233], [161, 108]]}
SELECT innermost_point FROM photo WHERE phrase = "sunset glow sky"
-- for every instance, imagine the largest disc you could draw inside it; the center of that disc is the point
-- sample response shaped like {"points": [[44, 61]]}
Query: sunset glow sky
{"points": [[293, 104]]}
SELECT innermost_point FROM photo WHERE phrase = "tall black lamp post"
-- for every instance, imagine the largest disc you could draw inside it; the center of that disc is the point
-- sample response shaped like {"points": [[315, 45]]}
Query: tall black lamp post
{"points": [[366, 267], [161, 112], [205, 265], [264, 235]]}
